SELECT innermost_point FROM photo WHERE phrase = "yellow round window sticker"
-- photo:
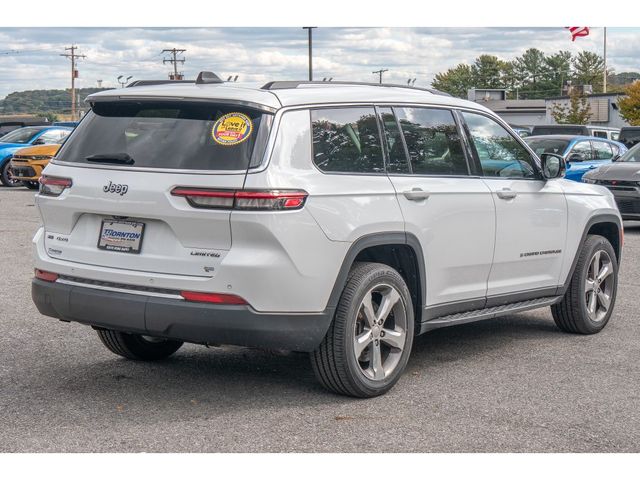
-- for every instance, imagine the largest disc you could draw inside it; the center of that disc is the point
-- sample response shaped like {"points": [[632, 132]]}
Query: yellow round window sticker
{"points": [[232, 129]]}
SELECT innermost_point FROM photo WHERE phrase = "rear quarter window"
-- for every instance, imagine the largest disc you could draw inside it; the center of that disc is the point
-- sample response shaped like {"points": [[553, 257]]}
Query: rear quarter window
{"points": [[347, 140]]}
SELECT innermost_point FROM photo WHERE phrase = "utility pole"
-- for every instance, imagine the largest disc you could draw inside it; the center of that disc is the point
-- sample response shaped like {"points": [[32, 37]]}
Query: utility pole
{"points": [[173, 59], [604, 80], [74, 74], [310, 29], [380, 72]]}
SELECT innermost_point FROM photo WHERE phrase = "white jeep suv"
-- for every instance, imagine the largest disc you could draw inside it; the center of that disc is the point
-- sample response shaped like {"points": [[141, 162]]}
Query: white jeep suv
{"points": [[337, 219]]}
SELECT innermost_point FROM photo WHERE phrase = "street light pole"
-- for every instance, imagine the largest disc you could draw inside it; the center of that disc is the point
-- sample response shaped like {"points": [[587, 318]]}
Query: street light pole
{"points": [[309, 29]]}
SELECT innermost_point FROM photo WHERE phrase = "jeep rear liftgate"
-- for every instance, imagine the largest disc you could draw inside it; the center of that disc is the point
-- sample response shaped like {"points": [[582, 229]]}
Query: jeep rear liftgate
{"points": [[119, 210]]}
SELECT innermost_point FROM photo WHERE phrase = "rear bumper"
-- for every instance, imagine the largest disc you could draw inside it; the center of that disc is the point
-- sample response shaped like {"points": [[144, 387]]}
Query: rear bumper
{"points": [[179, 319]]}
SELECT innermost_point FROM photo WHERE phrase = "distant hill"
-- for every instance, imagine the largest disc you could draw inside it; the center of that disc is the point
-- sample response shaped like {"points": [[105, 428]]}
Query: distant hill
{"points": [[623, 78], [35, 101]]}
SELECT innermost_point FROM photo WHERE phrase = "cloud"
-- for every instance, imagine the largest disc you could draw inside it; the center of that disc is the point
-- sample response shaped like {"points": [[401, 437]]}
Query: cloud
{"points": [[261, 54]]}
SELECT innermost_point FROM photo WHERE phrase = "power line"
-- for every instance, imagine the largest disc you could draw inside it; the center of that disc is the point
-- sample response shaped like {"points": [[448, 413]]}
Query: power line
{"points": [[74, 74], [173, 59]]}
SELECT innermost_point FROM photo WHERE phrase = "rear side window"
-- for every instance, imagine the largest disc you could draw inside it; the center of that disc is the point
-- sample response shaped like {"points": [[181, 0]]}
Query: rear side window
{"points": [[171, 135], [433, 141], [346, 140], [396, 155]]}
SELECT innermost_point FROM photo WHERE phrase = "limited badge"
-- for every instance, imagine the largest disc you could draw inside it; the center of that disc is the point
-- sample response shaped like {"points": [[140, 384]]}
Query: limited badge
{"points": [[232, 129]]}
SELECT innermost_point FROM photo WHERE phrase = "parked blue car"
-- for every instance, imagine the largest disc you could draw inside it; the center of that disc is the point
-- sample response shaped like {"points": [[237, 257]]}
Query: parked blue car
{"points": [[24, 137], [581, 153]]}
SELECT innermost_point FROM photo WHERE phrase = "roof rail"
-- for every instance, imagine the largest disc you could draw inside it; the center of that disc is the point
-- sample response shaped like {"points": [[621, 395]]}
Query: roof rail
{"points": [[141, 83], [284, 84]]}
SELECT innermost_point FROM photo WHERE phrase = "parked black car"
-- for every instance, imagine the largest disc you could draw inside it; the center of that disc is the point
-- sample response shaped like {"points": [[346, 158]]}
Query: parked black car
{"points": [[629, 136], [623, 179]]}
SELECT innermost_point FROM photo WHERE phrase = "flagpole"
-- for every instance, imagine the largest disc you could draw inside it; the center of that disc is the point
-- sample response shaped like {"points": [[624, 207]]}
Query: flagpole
{"points": [[604, 80]]}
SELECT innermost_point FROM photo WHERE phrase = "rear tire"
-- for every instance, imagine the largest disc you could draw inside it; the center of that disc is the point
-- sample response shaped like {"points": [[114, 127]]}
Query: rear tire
{"points": [[369, 341], [138, 347], [31, 185], [588, 303]]}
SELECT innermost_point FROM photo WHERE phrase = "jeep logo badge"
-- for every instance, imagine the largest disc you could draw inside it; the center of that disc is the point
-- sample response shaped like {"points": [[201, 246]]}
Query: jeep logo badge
{"points": [[119, 188]]}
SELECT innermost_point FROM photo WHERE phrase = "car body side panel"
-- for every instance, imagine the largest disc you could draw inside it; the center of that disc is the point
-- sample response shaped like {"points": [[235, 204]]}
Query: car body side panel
{"points": [[583, 203]]}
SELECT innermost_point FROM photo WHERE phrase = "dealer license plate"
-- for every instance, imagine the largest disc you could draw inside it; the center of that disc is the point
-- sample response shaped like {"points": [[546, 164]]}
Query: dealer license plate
{"points": [[121, 236]]}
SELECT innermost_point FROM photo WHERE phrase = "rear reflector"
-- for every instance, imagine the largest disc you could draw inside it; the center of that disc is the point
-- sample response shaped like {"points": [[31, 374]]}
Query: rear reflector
{"points": [[46, 276], [53, 186], [242, 199], [219, 298]]}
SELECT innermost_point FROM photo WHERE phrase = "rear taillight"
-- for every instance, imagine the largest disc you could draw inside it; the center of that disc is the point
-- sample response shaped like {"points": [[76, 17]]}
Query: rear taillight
{"points": [[53, 186], [46, 276], [219, 298], [242, 199]]}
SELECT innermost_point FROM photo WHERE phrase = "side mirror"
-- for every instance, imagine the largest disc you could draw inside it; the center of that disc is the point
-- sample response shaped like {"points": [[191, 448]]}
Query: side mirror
{"points": [[553, 166], [39, 141], [616, 157], [576, 157]]}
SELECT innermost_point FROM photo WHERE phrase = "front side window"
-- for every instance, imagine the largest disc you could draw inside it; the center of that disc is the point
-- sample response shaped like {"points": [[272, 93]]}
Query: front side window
{"points": [[499, 153], [347, 140], [170, 135], [601, 150], [433, 142], [52, 136], [581, 152]]}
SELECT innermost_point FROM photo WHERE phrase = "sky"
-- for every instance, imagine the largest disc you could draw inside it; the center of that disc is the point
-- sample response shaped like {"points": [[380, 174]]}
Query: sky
{"points": [[30, 57]]}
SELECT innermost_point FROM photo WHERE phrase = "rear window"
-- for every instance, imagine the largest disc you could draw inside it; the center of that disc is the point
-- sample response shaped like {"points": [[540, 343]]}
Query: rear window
{"points": [[629, 135], [170, 135], [560, 130], [547, 145]]}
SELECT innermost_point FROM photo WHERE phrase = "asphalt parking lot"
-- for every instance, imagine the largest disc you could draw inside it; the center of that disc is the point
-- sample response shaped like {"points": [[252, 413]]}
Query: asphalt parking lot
{"points": [[510, 385]]}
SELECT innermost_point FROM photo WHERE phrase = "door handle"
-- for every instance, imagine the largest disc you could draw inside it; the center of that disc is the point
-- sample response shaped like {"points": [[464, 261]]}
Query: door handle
{"points": [[416, 194], [506, 194]]}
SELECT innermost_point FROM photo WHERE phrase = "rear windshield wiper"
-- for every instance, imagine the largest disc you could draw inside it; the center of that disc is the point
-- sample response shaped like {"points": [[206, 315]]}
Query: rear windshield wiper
{"points": [[120, 158]]}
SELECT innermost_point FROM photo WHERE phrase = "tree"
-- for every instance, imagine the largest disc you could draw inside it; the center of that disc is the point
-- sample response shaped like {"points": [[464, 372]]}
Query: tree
{"points": [[630, 105], [532, 73], [558, 70], [455, 81], [588, 69], [578, 112], [487, 72], [51, 116]]}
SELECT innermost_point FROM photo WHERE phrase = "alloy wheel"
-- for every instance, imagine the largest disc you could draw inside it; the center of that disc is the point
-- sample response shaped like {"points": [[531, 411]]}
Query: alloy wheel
{"points": [[599, 286], [380, 332]]}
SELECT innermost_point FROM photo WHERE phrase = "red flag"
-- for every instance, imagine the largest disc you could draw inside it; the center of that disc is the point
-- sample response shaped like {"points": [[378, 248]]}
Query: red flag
{"points": [[578, 32]]}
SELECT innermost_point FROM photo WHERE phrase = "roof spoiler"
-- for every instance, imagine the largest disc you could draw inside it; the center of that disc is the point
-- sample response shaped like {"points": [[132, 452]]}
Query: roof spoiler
{"points": [[204, 78]]}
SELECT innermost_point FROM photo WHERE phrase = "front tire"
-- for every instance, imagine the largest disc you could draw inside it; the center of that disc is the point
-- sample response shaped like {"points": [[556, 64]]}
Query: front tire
{"points": [[369, 341], [31, 185], [5, 176], [138, 347], [588, 303]]}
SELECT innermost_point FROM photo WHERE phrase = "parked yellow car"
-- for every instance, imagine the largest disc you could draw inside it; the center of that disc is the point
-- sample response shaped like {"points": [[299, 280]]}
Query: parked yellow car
{"points": [[27, 163]]}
